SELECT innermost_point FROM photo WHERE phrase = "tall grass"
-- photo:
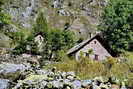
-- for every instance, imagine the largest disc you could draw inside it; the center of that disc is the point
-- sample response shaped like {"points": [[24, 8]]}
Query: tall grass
{"points": [[87, 68]]}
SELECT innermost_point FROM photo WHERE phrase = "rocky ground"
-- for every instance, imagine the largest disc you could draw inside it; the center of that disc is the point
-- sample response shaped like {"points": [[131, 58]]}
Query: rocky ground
{"points": [[27, 76], [18, 59], [24, 72]]}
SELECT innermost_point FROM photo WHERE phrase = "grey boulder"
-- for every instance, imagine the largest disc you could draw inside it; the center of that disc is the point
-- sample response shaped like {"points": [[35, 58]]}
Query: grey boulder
{"points": [[4, 84]]}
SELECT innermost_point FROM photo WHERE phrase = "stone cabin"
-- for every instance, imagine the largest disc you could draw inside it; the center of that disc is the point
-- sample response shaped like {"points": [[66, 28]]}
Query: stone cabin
{"points": [[95, 48], [39, 40]]}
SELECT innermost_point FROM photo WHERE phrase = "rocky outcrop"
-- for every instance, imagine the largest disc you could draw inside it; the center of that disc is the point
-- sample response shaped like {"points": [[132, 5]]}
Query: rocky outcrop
{"points": [[22, 12]]}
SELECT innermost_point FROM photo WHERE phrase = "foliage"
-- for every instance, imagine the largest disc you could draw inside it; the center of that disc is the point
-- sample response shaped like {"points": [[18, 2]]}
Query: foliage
{"points": [[57, 41], [110, 62], [4, 18], [41, 26], [32, 44], [117, 24], [61, 56], [20, 48], [27, 45], [90, 51], [60, 39], [54, 39], [16, 37]]}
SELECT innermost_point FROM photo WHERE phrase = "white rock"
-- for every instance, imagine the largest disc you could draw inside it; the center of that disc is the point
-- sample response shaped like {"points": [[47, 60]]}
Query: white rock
{"points": [[26, 55]]}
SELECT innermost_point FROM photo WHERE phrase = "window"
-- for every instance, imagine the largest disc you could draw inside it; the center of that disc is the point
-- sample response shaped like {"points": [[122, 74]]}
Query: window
{"points": [[78, 57], [95, 42], [87, 54], [96, 57]]}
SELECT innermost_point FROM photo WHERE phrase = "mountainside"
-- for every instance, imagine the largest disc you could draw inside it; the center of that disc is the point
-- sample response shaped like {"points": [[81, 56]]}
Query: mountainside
{"points": [[38, 47], [80, 16]]}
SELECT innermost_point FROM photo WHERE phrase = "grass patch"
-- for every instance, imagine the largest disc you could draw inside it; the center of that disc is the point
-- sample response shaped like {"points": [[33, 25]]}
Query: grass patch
{"points": [[66, 66], [88, 69]]}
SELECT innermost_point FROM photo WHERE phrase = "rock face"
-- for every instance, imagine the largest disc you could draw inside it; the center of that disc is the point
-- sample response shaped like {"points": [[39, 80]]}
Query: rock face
{"points": [[80, 16], [22, 12]]}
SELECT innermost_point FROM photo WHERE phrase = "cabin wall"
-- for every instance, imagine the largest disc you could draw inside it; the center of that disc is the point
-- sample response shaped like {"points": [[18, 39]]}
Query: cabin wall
{"points": [[99, 52], [39, 40]]}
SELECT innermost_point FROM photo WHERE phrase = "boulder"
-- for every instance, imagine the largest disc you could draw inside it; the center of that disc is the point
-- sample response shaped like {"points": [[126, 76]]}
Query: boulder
{"points": [[4, 84], [104, 86], [63, 74], [35, 78], [41, 72], [77, 84], [26, 55], [71, 78], [57, 84], [12, 71], [71, 73], [115, 86], [86, 83]]}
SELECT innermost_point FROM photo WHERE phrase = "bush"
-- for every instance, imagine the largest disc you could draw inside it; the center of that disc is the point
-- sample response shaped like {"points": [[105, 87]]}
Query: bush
{"points": [[22, 46]]}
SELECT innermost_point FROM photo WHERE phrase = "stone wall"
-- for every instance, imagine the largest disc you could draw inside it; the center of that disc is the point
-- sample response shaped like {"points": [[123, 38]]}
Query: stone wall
{"points": [[97, 48]]}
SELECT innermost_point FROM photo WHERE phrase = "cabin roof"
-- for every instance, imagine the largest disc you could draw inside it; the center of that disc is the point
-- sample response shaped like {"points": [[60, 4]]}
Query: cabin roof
{"points": [[84, 43], [39, 33]]}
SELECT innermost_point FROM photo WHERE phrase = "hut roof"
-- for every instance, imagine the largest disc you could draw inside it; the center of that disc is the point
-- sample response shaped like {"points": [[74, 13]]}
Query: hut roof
{"points": [[84, 43]]}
